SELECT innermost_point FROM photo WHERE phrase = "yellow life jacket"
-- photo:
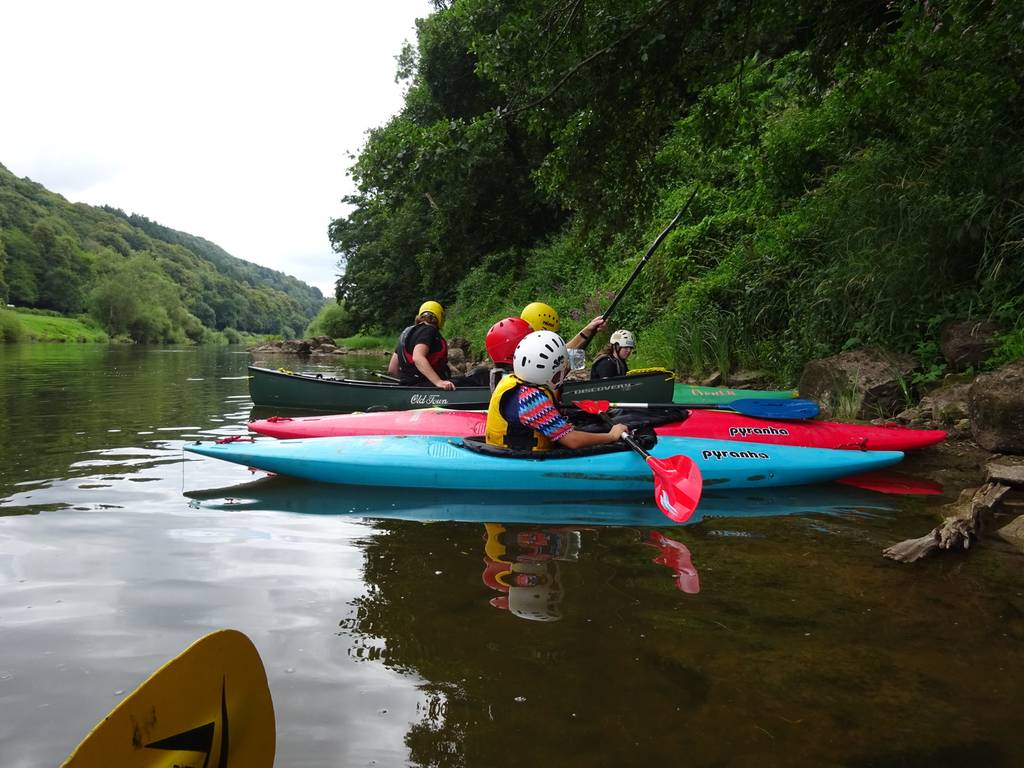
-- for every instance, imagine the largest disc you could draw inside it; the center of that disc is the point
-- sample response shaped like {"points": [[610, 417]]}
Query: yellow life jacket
{"points": [[499, 432], [494, 547]]}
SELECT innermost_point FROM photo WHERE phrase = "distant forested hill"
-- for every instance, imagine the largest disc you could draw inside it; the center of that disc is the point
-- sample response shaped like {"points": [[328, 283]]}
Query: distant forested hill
{"points": [[136, 277]]}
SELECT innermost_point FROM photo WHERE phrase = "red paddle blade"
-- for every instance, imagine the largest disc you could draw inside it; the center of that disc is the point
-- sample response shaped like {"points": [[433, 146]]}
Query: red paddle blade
{"points": [[677, 486], [593, 406]]}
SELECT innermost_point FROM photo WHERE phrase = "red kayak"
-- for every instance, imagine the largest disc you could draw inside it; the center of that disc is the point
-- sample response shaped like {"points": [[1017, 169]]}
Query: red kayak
{"points": [[717, 425]]}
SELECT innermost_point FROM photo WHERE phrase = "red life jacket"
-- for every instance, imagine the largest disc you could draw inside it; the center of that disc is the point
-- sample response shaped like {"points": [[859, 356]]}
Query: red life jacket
{"points": [[407, 368]]}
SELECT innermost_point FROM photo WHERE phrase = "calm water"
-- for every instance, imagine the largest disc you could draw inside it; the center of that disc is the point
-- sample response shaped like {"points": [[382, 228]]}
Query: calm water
{"points": [[392, 642]]}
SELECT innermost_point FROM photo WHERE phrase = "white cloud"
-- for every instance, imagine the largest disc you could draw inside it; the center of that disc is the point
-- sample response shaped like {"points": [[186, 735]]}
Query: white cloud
{"points": [[228, 120]]}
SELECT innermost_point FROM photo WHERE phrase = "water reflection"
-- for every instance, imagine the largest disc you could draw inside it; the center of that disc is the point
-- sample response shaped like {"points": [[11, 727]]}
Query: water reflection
{"points": [[523, 555], [288, 495], [801, 647], [676, 556], [523, 566]]}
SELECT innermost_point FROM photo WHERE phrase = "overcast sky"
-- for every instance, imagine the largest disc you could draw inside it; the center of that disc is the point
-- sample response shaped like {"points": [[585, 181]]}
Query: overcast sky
{"points": [[229, 120]]}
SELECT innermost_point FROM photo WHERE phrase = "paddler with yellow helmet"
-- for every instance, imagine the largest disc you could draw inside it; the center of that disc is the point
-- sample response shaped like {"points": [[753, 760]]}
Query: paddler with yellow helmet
{"points": [[421, 355], [543, 317]]}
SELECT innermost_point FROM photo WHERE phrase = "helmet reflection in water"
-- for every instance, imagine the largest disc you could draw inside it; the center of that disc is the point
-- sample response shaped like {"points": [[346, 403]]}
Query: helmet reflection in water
{"points": [[535, 593], [523, 565]]}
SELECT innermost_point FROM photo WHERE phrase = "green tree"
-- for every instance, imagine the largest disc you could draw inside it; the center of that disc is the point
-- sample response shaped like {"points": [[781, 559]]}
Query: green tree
{"points": [[151, 312], [332, 320], [3, 268]]}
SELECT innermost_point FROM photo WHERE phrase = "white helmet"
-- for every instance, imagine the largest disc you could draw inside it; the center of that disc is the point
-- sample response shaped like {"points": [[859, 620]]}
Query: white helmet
{"points": [[541, 359], [623, 339]]}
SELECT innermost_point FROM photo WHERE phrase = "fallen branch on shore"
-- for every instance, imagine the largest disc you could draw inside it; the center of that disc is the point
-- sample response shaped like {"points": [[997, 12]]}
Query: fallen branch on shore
{"points": [[960, 527]]}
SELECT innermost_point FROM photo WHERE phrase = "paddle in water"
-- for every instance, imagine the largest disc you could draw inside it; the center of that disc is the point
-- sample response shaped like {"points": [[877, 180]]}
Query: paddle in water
{"points": [[208, 706], [757, 408], [677, 480]]}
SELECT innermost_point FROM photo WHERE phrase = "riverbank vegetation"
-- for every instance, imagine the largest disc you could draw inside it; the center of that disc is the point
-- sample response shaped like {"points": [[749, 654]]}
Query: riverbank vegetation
{"points": [[31, 325], [136, 279], [859, 167], [48, 326]]}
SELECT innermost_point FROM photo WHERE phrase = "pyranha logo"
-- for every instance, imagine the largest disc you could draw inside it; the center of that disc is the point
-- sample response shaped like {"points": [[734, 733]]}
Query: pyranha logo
{"points": [[200, 739], [711, 454], [744, 431]]}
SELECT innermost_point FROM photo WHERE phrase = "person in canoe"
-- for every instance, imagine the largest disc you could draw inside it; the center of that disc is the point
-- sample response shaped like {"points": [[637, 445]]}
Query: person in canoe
{"points": [[421, 355], [611, 361], [523, 414], [543, 317]]}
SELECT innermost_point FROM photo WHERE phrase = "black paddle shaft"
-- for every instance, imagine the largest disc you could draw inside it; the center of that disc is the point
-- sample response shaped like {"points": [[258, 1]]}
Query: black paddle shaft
{"points": [[627, 438], [651, 250]]}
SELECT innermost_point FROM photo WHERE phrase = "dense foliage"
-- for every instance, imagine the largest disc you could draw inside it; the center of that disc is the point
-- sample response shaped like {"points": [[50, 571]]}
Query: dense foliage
{"points": [[859, 167], [140, 280]]}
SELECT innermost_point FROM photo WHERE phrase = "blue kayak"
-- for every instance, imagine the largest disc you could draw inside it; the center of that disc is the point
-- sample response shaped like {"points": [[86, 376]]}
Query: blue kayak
{"points": [[419, 461], [281, 494]]}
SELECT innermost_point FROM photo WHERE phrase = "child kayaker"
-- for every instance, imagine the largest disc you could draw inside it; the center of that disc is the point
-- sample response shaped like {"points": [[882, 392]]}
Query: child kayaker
{"points": [[522, 413]]}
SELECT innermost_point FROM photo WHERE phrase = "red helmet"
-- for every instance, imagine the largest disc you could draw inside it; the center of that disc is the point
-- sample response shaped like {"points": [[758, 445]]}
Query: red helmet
{"points": [[503, 338]]}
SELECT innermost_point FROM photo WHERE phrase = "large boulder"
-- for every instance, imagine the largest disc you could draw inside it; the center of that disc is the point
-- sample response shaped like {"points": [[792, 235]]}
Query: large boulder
{"points": [[997, 409], [459, 343], [861, 383], [967, 343], [456, 359], [949, 403]]}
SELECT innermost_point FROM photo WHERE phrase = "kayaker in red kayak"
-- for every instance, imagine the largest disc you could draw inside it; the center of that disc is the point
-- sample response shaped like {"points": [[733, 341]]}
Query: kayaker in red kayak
{"points": [[421, 355], [611, 361], [523, 414]]}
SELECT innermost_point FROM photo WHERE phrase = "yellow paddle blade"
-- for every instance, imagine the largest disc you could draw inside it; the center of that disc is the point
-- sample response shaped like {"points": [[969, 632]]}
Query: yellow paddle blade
{"points": [[209, 707]]}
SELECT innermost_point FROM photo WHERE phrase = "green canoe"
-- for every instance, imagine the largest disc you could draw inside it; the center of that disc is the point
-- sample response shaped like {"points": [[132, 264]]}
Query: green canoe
{"points": [[309, 392], [688, 394]]}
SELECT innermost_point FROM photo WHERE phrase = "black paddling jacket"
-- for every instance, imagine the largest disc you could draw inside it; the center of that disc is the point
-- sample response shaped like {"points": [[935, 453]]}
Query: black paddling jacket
{"points": [[606, 366], [437, 353]]}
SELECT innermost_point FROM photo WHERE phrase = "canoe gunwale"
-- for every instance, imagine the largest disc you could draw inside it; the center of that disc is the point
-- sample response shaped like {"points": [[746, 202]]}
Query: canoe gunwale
{"points": [[318, 393]]}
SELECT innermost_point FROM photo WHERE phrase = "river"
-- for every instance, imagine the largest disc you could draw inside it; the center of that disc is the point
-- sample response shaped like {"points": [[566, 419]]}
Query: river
{"points": [[393, 642]]}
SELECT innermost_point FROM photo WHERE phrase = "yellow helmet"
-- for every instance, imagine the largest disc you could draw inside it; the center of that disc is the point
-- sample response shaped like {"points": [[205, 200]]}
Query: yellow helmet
{"points": [[541, 317], [435, 309]]}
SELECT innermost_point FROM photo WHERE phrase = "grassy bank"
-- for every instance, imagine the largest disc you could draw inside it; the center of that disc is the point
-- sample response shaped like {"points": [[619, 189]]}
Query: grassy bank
{"points": [[27, 325], [18, 325], [367, 342]]}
